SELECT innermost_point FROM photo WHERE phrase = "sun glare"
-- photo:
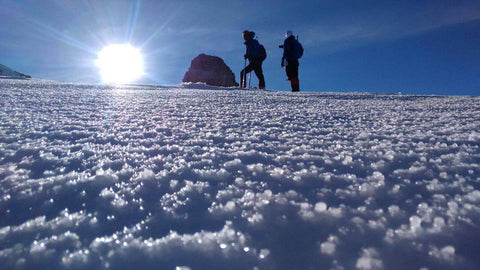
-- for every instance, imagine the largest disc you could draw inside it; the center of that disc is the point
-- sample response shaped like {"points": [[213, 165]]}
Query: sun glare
{"points": [[120, 63]]}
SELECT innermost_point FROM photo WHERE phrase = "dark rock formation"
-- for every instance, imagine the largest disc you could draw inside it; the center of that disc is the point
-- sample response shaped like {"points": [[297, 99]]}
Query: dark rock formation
{"points": [[211, 70], [6, 72]]}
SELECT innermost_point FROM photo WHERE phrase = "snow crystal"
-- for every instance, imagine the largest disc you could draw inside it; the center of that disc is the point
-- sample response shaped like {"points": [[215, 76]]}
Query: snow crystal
{"points": [[320, 207], [446, 254], [233, 164], [182, 268], [230, 206], [263, 253], [369, 260], [473, 196], [146, 175], [453, 206], [327, 248], [278, 173], [438, 223], [217, 175], [335, 211], [255, 218], [415, 223], [393, 210]]}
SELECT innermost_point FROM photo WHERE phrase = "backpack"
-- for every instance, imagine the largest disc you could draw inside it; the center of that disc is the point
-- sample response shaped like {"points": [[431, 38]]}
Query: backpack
{"points": [[263, 53], [297, 49]]}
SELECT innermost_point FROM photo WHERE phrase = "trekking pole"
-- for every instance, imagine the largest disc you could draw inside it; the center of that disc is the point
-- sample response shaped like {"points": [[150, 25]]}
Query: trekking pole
{"points": [[249, 79], [243, 83]]}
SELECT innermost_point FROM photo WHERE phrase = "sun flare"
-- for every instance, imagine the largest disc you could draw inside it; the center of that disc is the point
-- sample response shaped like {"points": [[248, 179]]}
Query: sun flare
{"points": [[120, 63]]}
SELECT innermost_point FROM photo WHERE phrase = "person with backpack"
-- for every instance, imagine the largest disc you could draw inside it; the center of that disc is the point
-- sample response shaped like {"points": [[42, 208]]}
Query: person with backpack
{"points": [[255, 54], [292, 51]]}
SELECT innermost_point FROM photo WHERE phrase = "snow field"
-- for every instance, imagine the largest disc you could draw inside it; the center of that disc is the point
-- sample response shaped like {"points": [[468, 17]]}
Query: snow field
{"points": [[158, 177]]}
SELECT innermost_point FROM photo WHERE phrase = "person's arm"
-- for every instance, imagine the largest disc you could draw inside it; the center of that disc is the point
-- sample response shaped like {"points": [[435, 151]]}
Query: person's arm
{"points": [[284, 46]]}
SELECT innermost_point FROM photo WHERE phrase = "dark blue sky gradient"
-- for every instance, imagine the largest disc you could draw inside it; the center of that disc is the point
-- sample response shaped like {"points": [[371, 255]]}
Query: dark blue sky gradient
{"points": [[420, 47]]}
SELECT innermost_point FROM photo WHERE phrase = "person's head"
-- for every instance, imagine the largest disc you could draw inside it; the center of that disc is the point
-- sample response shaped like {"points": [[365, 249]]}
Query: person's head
{"points": [[289, 34], [247, 35]]}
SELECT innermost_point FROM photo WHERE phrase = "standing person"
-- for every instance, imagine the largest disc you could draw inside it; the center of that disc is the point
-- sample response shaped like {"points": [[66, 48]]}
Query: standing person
{"points": [[292, 51], [255, 54]]}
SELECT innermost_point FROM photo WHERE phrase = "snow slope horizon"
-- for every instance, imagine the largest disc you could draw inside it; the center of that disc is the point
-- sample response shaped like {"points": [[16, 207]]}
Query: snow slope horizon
{"points": [[204, 86], [120, 177]]}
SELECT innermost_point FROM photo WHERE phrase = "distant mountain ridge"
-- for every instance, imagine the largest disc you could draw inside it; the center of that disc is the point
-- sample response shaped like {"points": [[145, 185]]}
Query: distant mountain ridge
{"points": [[6, 72]]}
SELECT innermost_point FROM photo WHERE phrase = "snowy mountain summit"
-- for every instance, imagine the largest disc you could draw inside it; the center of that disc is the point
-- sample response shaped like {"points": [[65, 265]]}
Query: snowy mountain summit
{"points": [[146, 177], [6, 72]]}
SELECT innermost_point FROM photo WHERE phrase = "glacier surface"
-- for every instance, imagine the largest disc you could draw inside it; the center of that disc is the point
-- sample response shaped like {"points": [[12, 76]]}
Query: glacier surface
{"points": [[151, 177]]}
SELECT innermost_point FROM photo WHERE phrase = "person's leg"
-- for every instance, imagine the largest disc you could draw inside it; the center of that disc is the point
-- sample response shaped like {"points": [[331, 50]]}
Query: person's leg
{"points": [[295, 81], [295, 85], [259, 72], [243, 75], [292, 73]]}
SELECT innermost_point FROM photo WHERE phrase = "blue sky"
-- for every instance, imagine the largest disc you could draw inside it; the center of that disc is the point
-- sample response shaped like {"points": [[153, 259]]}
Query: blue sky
{"points": [[418, 47]]}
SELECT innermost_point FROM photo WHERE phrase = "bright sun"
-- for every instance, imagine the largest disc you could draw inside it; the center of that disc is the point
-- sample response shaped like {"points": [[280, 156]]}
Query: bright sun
{"points": [[120, 63]]}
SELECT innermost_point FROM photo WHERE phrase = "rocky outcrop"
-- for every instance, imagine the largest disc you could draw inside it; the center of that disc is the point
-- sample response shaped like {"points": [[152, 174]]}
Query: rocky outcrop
{"points": [[6, 72], [211, 70]]}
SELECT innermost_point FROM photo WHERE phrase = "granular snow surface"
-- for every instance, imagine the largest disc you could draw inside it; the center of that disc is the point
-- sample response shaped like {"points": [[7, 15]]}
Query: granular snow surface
{"points": [[150, 177]]}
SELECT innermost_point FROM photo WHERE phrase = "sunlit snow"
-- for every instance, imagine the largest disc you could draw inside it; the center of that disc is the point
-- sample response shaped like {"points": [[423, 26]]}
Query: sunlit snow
{"points": [[151, 177]]}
